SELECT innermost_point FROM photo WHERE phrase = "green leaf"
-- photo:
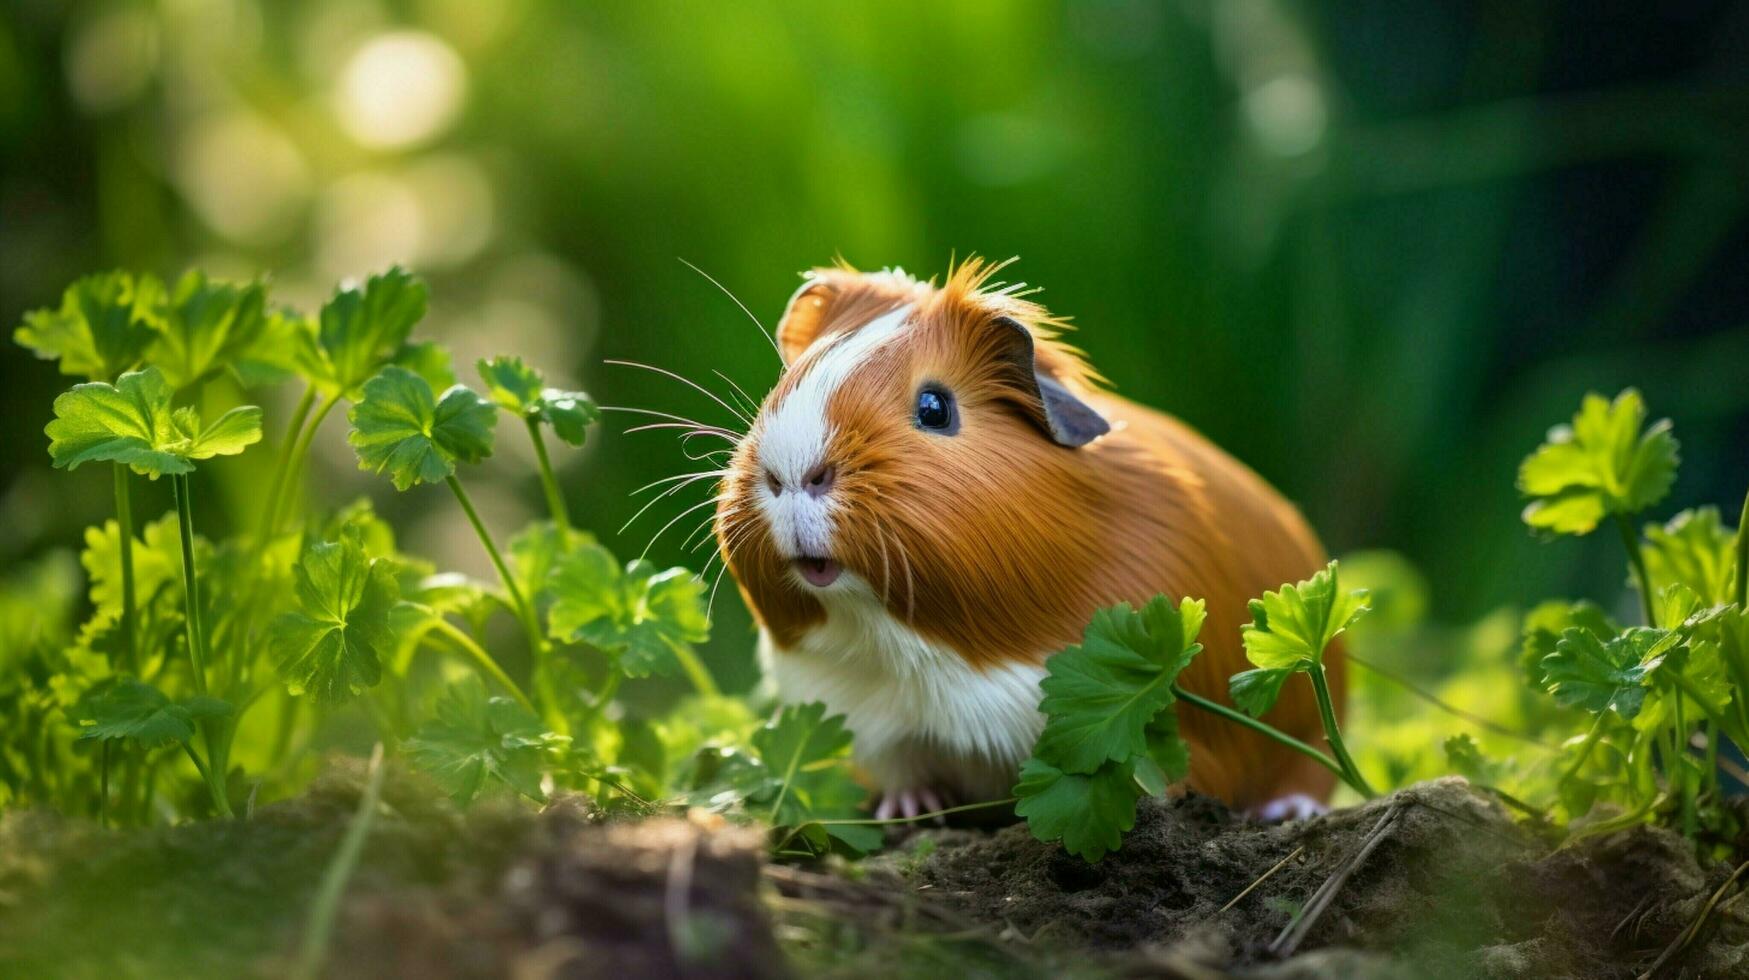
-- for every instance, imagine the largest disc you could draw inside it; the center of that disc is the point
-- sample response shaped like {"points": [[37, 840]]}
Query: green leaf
{"points": [[1100, 696], [101, 329], [517, 388], [1089, 813], [637, 614], [1168, 758], [362, 329], [807, 756], [234, 431], [157, 561], [1465, 758], [1256, 691], [1694, 549], [331, 647], [1601, 464], [1600, 675], [1291, 629], [474, 739], [430, 360], [205, 326], [1544, 625], [131, 422], [277, 352], [399, 428], [131, 709]]}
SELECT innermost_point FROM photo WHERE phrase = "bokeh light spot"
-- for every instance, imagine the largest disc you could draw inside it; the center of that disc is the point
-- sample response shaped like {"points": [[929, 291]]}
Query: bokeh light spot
{"points": [[400, 88]]}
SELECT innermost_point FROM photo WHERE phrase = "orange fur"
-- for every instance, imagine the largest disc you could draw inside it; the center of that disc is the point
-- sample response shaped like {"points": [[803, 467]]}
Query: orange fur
{"points": [[999, 543]]}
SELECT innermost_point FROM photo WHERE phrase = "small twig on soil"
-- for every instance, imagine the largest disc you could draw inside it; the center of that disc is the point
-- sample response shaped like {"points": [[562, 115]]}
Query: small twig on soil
{"points": [[1635, 915], [1297, 930], [1684, 938], [677, 901], [1264, 877]]}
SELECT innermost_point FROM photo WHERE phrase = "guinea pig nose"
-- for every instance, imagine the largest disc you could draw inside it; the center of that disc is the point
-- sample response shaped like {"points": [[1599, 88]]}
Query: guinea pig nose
{"points": [[819, 479]]}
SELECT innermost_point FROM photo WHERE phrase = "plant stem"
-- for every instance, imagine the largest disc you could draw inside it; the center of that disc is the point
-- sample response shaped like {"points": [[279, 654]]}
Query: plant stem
{"points": [[1585, 747], [1637, 559], [320, 925], [299, 455], [695, 670], [124, 519], [537, 644], [550, 484], [103, 788], [1743, 556], [1240, 718], [213, 786], [197, 651], [482, 660], [190, 590], [1327, 711], [282, 464], [517, 601]]}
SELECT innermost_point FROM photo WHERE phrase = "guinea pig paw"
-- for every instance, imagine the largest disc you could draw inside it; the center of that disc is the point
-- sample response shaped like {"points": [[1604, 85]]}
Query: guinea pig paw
{"points": [[910, 803], [1294, 806]]}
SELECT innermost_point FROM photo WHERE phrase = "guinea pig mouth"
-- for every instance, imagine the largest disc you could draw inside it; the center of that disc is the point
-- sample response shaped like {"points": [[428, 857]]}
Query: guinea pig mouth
{"points": [[819, 572]]}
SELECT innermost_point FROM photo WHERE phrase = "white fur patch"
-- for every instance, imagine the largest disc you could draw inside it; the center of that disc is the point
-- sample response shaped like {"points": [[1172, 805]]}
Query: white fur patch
{"points": [[921, 715], [793, 436]]}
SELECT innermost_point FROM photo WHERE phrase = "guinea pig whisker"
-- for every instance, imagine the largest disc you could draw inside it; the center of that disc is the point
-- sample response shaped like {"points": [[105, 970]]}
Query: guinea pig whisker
{"points": [[737, 301], [752, 406], [701, 389], [691, 430], [671, 491], [701, 474], [676, 519], [731, 434]]}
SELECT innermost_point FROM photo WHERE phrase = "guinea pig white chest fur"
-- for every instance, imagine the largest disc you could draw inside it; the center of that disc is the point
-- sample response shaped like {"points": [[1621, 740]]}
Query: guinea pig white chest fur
{"points": [[936, 496]]}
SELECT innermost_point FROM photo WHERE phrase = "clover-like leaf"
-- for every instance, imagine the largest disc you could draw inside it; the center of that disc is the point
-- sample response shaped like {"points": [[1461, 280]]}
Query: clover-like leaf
{"points": [[361, 329], [332, 646], [638, 614], [517, 388], [1545, 624], [1100, 696], [1088, 812], [807, 777], [1290, 629], [131, 422], [132, 709], [475, 738], [1695, 549], [400, 428], [1605, 675], [157, 561], [102, 328], [1601, 464], [204, 326], [1256, 691], [1465, 758]]}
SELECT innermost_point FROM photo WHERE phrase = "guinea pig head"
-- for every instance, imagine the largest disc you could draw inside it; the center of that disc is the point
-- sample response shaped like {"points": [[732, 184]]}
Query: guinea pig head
{"points": [[924, 450]]}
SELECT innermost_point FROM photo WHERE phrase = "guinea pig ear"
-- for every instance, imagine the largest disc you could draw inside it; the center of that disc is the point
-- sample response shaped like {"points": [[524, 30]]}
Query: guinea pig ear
{"points": [[802, 319], [1068, 420]]}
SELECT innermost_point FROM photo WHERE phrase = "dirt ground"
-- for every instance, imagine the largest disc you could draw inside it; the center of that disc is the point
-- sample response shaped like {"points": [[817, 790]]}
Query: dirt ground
{"points": [[1432, 881]]}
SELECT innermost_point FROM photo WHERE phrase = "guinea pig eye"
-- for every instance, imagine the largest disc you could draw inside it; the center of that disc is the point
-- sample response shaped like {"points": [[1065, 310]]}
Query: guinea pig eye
{"points": [[935, 411]]}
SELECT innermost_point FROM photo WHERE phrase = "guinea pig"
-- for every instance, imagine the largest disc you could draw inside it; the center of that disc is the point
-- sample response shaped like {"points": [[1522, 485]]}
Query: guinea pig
{"points": [[939, 493]]}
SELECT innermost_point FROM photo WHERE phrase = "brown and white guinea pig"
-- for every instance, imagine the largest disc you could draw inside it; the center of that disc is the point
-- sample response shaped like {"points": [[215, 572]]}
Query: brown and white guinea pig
{"points": [[936, 497]]}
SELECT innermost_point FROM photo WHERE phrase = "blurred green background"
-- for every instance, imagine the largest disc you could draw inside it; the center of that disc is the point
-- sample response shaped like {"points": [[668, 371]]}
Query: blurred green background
{"points": [[1373, 248]]}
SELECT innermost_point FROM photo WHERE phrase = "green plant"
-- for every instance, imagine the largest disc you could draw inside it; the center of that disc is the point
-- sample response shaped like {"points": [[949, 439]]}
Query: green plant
{"points": [[1659, 696], [233, 653], [1111, 729]]}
